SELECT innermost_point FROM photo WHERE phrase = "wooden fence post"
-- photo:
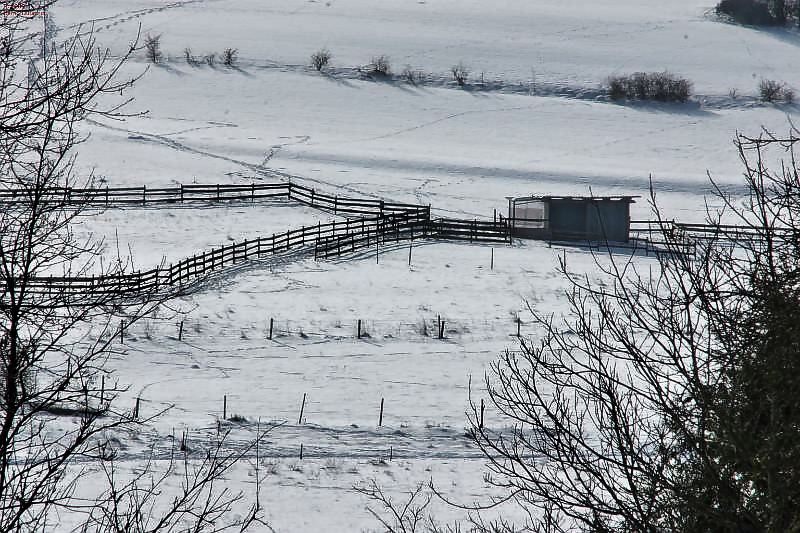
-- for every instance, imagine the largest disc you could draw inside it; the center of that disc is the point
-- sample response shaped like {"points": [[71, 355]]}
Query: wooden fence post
{"points": [[225, 407], [359, 328], [491, 267], [302, 408], [380, 416], [180, 331], [271, 322]]}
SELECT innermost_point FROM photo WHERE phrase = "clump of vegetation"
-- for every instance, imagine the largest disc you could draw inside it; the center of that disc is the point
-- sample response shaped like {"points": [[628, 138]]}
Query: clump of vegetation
{"points": [[410, 75], [380, 66], [652, 86], [754, 12], [460, 73], [320, 59], [229, 57], [191, 59], [774, 91], [152, 48]]}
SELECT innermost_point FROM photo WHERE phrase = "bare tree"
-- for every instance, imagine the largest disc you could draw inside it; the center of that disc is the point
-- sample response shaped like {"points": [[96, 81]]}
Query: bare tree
{"points": [[381, 66], [229, 57], [320, 59], [460, 73], [55, 339], [152, 47], [665, 399]]}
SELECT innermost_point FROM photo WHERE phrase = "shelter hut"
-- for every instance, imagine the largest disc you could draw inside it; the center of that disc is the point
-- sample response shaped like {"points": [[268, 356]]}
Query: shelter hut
{"points": [[570, 218]]}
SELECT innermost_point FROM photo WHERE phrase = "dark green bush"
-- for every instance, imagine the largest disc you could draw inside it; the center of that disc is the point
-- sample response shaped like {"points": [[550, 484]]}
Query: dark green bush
{"points": [[752, 12]]}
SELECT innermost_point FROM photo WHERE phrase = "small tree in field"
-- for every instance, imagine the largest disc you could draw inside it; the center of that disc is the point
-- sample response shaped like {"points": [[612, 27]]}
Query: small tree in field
{"points": [[380, 66], [59, 415], [320, 59], [152, 47], [460, 74], [229, 57]]}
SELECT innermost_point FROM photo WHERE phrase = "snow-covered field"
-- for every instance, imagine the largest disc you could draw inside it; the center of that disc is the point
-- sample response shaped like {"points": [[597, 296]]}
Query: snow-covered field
{"points": [[542, 127]]}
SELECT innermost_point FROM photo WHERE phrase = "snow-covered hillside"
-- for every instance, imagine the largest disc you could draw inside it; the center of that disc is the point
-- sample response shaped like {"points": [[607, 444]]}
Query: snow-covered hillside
{"points": [[533, 119]]}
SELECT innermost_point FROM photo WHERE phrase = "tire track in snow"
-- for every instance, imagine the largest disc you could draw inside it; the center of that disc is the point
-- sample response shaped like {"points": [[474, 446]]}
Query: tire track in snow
{"points": [[259, 168]]}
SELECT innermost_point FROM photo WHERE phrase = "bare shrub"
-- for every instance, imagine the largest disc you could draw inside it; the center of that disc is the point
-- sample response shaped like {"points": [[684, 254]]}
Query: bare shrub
{"points": [[775, 91], [460, 73], [229, 57], [320, 59], [210, 59], [410, 75], [190, 59], [152, 48], [655, 86], [380, 66]]}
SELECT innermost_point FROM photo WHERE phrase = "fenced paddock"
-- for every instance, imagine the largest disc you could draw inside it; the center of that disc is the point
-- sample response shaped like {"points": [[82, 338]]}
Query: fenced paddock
{"points": [[369, 223]]}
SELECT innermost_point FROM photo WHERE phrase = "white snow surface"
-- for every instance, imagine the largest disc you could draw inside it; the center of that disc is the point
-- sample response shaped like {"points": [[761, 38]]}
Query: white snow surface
{"points": [[543, 128]]}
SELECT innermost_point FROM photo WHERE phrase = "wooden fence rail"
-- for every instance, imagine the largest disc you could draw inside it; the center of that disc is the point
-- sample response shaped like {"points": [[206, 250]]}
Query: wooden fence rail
{"points": [[314, 239], [128, 196]]}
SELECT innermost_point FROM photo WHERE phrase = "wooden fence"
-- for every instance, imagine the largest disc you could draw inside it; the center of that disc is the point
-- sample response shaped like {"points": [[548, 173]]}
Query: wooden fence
{"points": [[323, 240], [470, 230], [142, 196]]}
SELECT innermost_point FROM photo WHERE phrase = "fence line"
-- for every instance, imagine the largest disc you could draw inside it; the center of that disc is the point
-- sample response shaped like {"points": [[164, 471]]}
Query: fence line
{"points": [[122, 196], [327, 240], [368, 222]]}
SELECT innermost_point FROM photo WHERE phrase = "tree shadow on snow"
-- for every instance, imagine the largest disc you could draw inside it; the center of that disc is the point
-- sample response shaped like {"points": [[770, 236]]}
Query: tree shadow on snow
{"points": [[172, 70], [691, 108]]}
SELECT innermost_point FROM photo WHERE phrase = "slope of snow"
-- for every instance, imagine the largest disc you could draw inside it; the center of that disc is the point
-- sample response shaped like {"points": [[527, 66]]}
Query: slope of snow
{"points": [[544, 128]]}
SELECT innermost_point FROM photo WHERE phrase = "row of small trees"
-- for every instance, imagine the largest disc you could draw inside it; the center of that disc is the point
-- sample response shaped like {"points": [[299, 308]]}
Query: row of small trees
{"points": [[152, 48], [381, 67]]}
